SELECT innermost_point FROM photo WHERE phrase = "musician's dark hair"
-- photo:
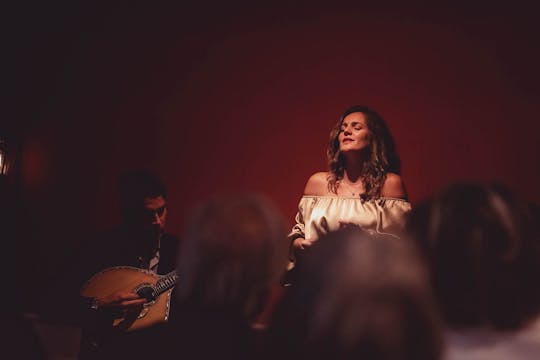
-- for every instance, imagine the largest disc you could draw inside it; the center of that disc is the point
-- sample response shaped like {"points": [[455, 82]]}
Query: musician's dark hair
{"points": [[483, 252], [136, 185]]}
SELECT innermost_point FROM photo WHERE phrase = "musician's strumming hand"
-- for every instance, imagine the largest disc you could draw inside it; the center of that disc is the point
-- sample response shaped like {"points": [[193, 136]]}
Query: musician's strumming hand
{"points": [[120, 300]]}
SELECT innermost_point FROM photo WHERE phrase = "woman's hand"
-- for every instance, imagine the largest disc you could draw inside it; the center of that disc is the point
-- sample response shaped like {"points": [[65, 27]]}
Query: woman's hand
{"points": [[301, 243], [343, 224]]}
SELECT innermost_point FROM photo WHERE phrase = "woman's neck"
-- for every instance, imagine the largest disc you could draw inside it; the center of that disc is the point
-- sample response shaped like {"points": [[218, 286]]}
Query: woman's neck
{"points": [[354, 166]]}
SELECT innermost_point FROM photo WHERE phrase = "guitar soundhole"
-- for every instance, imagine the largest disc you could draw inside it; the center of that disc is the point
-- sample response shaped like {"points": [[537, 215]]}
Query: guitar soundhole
{"points": [[146, 291]]}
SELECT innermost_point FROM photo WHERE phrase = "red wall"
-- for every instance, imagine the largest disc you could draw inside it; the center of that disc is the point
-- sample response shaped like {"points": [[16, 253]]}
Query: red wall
{"points": [[218, 98]]}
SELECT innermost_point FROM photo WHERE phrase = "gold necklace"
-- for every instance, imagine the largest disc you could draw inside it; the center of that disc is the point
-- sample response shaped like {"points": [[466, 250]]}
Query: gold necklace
{"points": [[354, 187]]}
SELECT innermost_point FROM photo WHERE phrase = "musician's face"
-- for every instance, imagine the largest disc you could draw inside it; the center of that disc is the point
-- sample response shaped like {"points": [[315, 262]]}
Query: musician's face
{"points": [[155, 212]]}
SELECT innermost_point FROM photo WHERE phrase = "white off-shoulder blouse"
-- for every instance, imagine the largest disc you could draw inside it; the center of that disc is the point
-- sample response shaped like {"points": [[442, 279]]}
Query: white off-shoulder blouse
{"points": [[318, 215]]}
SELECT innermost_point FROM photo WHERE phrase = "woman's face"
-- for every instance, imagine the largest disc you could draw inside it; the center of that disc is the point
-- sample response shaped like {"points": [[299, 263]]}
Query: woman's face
{"points": [[354, 134]]}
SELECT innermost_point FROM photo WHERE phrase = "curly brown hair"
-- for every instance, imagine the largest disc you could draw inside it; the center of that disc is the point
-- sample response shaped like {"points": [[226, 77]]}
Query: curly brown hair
{"points": [[383, 157]]}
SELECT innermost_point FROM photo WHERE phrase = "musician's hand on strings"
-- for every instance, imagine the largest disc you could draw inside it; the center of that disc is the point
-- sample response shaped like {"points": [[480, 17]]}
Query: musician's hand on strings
{"points": [[120, 300]]}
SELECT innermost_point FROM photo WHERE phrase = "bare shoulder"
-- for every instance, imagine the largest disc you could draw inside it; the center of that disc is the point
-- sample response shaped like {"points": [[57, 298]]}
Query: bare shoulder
{"points": [[394, 187], [317, 184]]}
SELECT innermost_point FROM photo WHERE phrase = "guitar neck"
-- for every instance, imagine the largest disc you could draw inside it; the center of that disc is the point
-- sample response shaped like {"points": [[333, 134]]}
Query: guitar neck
{"points": [[166, 282]]}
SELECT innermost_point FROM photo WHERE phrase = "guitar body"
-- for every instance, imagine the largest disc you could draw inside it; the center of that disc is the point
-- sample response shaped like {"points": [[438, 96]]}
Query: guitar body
{"points": [[126, 278]]}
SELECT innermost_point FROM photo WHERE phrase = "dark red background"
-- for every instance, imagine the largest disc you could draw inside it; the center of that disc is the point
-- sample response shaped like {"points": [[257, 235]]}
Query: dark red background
{"points": [[227, 97]]}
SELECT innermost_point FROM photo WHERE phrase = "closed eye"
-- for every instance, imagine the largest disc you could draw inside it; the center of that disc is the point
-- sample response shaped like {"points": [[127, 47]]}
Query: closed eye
{"points": [[355, 125]]}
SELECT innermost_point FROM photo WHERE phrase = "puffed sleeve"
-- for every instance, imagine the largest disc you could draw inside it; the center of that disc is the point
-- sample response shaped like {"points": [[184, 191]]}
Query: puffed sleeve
{"points": [[391, 215], [298, 230]]}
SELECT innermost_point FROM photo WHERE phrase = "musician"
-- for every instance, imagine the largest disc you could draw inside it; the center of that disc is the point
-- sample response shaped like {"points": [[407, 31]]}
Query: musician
{"points": [[140, 241]]}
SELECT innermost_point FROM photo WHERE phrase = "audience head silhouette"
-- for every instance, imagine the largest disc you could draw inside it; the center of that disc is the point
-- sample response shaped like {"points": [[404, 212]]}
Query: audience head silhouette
{"points": [[233, 250], [358, 296], [483, 254]]}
